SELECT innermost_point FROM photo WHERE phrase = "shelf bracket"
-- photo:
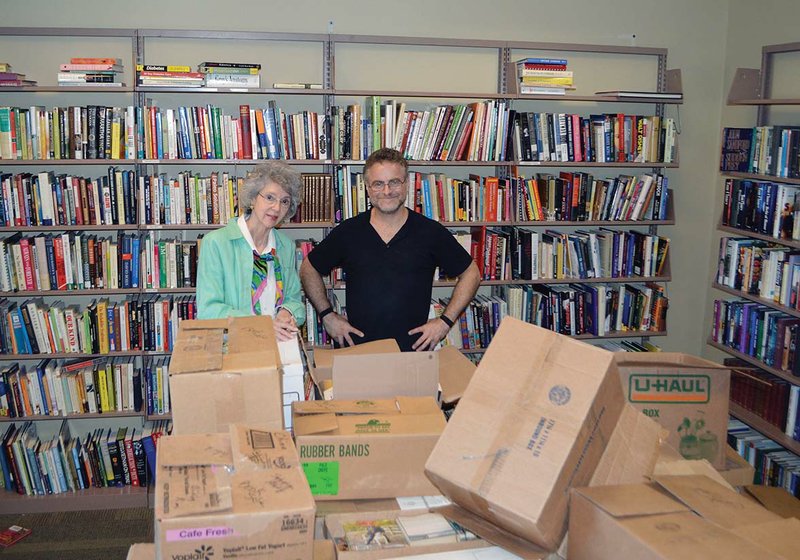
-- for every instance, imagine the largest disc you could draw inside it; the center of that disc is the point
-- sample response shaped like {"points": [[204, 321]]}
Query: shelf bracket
{"points": [[746, 85]]}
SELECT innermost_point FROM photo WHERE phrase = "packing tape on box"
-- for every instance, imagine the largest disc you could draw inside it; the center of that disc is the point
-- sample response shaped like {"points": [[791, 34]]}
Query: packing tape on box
{"points": [[228, 398]]}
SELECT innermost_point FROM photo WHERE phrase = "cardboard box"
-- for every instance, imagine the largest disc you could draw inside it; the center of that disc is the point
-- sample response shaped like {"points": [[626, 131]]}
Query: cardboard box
{"points": [[142, 551], [534, 421], [321, 364], [779, 537], [334, 530], [242, 494], [678, 517], [368, 448], [328, 507], [455, 373], [225, 371], [776, 500], [737, 471], [685, 394], [630, 456]]}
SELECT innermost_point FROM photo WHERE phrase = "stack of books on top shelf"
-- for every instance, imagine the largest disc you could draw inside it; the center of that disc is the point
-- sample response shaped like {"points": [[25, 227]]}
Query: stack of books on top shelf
{"points": [[231, 74], [162, 75], [97, 71], [13, 79], [544, 76]]}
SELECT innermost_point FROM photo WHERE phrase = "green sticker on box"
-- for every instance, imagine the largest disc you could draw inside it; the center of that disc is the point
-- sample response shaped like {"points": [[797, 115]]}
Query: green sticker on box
{"points": [[323, 478]]}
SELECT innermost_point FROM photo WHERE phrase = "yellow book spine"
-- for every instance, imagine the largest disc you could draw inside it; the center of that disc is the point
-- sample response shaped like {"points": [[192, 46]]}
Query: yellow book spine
{"points": [[102, 326], [103, 388]]}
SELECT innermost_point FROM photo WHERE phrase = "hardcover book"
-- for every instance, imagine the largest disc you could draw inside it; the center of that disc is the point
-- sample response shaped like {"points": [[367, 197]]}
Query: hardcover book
{"points": [[736, 147]]}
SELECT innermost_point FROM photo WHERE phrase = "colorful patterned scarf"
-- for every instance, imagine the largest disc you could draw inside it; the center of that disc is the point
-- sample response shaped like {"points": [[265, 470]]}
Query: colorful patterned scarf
{"points": [[260, 278]]}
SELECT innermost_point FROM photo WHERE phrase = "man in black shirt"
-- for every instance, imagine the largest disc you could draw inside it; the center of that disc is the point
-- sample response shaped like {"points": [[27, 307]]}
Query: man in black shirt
{"points": [[389, 255]]}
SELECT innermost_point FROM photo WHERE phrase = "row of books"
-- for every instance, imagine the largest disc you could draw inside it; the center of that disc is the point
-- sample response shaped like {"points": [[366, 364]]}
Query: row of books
{"points": [[75, 261], [37, 466], [88, 132], [481, 131], [123, 198], [774, 465], [572, 309], [142, 323], [492, 131], [765, 396], [596, 309], [206, 132], [760, 268], [761, 332], [509, 253], [96, 385], [566, 197], [626, 346], [765, 150], [580, 197], [768, 208]]}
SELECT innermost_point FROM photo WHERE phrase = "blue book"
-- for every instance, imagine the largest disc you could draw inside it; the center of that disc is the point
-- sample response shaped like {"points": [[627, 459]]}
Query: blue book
{"points": [[39, 378], [135, 263], [158, 140], [140, 133], [150, 453], [20, 332], [543, 61], [8, 481], [426, 194], [270, 134], [77, 462]]}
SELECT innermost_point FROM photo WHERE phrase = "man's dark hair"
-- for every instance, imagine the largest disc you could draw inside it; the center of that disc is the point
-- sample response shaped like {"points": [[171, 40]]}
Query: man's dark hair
{"points": [[386, 155]]}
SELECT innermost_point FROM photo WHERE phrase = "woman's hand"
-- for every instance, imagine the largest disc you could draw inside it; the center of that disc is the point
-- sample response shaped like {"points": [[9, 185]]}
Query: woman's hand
{"points": [[285, 325]]}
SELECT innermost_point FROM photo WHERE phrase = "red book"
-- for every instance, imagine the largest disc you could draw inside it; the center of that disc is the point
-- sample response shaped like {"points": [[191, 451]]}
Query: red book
{"points": [[619, 142], [492, 191], [12, 535], [128, 443], [462, 145], [478, 247], [244, 120], [61, 274], [27, 263], [95, 60]]}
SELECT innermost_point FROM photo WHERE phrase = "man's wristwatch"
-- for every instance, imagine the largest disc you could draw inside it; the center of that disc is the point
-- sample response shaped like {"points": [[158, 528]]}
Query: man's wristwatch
{"points": [[447, 320], [323, 314]]}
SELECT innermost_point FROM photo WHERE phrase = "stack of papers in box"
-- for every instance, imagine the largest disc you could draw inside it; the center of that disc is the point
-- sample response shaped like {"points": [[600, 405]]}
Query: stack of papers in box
{"points": [[428, 528]]}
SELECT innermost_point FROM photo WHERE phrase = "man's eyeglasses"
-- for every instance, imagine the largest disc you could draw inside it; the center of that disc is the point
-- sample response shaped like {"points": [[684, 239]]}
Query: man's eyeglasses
{"points": [[394, 184], [273, 200]]}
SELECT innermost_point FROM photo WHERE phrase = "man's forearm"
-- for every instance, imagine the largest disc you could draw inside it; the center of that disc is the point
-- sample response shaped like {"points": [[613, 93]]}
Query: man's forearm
{"points": [[314, 286], [465, 289]]}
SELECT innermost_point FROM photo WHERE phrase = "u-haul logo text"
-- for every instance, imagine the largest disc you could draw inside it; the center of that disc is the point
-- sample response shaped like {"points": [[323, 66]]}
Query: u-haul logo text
{"points": [[676, 389]]}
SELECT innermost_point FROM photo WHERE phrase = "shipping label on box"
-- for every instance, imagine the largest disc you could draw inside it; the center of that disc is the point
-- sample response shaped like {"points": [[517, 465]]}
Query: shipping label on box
{"points": [[232, 496], [367, 448], [685, 394], [225, 371], [533, 422]]}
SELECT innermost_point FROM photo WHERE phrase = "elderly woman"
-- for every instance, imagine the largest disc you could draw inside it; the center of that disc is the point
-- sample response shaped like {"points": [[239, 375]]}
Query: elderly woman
{"points": [[248, 267]]}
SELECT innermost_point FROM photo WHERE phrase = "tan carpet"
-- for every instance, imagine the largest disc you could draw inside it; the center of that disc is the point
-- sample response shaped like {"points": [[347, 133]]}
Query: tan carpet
{"points": [[79, 535]]}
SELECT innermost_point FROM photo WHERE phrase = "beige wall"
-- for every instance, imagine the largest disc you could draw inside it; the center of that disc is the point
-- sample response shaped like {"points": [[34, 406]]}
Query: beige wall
{"points": [[696, 34]]}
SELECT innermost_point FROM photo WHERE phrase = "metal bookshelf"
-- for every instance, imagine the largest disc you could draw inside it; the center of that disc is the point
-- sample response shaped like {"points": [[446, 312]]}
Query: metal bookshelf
{"points": [[326, 45]]}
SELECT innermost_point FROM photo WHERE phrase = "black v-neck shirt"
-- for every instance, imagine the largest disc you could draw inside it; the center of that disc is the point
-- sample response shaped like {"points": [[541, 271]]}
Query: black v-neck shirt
{"points": [[389, 285]]}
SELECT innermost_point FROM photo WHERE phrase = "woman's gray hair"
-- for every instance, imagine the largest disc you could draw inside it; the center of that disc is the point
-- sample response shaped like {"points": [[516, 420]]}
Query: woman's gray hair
{"points": [[277, 172]]}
